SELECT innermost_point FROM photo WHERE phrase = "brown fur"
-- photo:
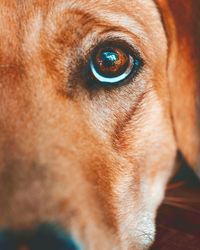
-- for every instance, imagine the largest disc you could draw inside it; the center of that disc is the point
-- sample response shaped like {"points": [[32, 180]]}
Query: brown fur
{"points": [[94, 161]]}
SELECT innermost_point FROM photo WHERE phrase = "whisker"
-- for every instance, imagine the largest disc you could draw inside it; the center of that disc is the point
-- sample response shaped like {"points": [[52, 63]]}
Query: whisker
{"points": [[175, 185], [182, 199], [182, 206], [145, 234]]}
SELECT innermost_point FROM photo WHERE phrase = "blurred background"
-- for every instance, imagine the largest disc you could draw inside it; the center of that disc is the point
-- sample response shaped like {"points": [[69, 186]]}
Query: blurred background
{"points": [[178, 219]]}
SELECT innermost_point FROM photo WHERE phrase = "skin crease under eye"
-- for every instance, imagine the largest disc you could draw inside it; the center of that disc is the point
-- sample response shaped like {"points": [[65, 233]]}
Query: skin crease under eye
{"points": [[116, 79]]}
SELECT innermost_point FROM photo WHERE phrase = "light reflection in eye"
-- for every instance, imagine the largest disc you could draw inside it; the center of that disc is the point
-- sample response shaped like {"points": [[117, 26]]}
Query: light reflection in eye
{"points": [[112, 65], [116, 79]]}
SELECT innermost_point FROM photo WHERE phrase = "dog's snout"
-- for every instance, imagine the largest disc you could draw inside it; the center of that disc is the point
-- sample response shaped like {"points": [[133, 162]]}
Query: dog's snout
{"points": [[45, 237]]}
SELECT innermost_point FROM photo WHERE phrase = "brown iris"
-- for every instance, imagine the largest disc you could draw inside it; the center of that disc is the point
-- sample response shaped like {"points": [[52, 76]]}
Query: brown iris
{"points": [[112, 65], [111, 62]]}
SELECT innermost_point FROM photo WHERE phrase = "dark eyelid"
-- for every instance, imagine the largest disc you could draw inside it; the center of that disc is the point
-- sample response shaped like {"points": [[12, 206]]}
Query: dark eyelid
{"points": [[115, 41]]}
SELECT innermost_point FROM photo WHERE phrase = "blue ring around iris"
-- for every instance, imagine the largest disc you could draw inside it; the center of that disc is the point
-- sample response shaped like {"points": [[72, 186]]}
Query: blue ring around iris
{"points": [[109, 58]]}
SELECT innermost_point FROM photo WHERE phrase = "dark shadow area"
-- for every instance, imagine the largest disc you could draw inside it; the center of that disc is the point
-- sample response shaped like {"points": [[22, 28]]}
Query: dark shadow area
{"points": [[178, 220]]}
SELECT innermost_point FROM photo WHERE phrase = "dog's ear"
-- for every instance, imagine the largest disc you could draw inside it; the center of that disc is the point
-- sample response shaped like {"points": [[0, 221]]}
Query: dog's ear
{"points": [[180, 20]]}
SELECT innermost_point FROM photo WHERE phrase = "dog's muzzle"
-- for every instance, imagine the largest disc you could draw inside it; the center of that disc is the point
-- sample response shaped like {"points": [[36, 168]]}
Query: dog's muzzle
{"points": [[44, 238]]}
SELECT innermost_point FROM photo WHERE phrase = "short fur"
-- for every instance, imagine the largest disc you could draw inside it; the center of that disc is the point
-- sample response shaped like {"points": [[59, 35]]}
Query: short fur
{"points": [[94, 161]]}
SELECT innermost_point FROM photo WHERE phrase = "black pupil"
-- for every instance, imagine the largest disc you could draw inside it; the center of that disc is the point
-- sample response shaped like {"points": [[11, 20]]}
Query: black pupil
{"points": [[109, 58], [111, 62]]}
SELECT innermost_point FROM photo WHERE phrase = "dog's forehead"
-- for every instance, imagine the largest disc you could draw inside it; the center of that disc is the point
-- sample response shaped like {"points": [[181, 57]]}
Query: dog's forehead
{"points": [[93, 4], [23, 10], [25, 19]]}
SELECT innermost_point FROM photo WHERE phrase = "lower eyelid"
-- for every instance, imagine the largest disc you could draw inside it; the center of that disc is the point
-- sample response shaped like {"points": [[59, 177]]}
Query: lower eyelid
{"points": [[112, 79]]}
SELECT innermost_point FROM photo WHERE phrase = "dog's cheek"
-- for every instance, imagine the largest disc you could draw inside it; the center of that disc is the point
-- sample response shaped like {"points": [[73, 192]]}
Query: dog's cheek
{"points": [[148, 143], [144, 156]]}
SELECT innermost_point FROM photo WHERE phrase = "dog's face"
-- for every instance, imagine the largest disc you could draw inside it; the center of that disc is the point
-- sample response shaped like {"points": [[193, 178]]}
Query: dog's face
{"points": [[86, 132]]}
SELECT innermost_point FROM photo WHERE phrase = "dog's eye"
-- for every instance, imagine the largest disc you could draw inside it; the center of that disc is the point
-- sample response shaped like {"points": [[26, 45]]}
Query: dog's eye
{"points": [[112, 65]]}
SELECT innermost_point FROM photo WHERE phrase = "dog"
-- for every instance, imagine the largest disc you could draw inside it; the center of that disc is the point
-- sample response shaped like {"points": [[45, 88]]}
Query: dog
{"points": [[97, 98]]}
